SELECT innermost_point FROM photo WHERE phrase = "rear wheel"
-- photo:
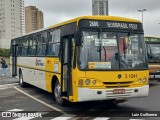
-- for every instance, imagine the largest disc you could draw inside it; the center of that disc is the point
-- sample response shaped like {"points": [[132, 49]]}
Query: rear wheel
{"points": [[57, 94], [21, 82]]}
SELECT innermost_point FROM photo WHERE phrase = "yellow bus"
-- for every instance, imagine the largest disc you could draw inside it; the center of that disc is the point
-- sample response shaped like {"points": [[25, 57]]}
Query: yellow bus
{"points": [[153, 52], [88, 58]]}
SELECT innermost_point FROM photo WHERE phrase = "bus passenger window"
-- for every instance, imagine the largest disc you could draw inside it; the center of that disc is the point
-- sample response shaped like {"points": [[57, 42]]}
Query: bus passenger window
{"points": [[41, 50], [54, 43]]}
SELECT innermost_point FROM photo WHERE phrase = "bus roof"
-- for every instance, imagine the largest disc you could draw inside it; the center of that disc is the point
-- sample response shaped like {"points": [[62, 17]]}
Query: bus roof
{"points": [[150, 37], [112, 18]]}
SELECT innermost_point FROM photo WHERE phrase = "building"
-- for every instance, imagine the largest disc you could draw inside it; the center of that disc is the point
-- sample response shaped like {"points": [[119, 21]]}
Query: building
{"points": [[12, 21], [34, 19], [100, 7]]}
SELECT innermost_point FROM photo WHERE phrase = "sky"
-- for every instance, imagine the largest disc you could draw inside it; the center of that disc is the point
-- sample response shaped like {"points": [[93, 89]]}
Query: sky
{"points": [[56, 11]]}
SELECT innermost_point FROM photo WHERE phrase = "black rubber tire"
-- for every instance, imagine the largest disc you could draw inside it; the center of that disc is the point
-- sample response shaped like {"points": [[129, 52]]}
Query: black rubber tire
{"points": [[57, 94]]}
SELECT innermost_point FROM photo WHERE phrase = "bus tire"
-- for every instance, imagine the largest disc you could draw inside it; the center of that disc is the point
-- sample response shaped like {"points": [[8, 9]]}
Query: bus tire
{"points": [[57, 94], [21, 82]]}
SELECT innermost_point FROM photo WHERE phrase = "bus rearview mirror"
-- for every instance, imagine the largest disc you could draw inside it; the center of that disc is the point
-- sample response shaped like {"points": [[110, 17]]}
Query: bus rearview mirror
{"points": [[77, 36]]}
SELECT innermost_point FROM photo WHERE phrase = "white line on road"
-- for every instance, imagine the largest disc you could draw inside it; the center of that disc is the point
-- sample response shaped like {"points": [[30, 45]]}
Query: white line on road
{"points": [[15, 110], [137, 119], [24, 118], [9, 84], [101, 118], [54, 108], [64, 117], [61, 118], [6, 86]]}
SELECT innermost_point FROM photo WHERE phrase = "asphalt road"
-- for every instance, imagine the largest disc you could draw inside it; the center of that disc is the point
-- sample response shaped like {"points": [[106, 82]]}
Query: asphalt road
{"points": [[8, 79], [31, 99]]}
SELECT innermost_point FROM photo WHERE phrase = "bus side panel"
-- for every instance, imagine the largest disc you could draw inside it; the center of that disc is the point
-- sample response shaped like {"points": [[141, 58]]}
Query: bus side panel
{"points": [[33, 70], [53, 68], [76, 76], [154, 70]]}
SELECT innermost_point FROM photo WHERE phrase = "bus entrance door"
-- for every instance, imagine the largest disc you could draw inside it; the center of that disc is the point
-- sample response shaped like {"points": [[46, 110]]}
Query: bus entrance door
{"points": [[14, 60], [66, 67]]}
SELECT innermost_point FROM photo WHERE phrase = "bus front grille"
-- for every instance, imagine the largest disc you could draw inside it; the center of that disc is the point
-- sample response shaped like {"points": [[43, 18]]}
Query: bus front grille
{"points": [[117, 84]]}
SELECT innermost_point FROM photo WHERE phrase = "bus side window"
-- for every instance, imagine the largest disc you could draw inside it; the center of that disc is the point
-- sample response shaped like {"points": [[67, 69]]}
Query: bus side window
{"points": [[25, 46], [41, 44], [54, 43], [32, 46]]}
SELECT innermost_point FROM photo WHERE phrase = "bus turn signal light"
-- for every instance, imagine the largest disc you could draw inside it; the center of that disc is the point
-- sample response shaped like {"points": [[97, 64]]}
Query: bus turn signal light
{"points": [[80, 82]]}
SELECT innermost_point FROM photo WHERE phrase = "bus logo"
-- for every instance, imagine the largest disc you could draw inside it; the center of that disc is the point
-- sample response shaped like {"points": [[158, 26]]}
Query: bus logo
{"points": [[39, 62], [119, 76], [48, 62], [119, 84]]}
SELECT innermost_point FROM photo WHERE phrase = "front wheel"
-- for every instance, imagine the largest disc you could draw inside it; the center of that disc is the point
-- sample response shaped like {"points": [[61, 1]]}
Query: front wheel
{"points": [[57, 94]]}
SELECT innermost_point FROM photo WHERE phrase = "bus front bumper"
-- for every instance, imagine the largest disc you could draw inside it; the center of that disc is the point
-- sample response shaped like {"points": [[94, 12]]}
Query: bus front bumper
{"points": [[86, 94]]}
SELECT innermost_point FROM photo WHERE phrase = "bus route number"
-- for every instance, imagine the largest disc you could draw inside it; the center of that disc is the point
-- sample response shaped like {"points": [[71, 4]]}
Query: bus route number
{"points": [[133, 26], [130, 75], [94, 23]]}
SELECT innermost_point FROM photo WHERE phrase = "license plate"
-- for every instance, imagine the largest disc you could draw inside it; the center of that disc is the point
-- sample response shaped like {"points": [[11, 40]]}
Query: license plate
{"points": [[118, 91]]}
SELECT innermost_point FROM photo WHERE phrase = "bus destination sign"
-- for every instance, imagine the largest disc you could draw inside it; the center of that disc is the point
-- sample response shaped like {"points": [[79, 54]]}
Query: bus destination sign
{"points": [[110, 24]]}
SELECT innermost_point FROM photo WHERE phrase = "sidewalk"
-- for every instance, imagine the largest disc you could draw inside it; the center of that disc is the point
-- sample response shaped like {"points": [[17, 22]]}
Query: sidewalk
{"points": [[8, 79]]}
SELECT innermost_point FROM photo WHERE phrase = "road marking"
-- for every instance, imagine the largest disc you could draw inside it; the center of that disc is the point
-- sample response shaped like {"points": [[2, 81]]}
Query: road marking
{"points": [[9, 84], [24, 118], [64, 117], [61, 118], [101, 118], [54, 108], [15, 110], [137, 119], [6, 86]]}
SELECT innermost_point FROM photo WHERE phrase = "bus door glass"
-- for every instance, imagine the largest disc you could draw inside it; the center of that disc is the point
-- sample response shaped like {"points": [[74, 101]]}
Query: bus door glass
{"points": [[66, 65]]}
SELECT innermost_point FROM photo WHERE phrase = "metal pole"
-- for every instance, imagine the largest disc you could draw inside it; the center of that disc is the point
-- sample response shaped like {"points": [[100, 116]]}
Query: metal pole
{"points": [[142, 10]]}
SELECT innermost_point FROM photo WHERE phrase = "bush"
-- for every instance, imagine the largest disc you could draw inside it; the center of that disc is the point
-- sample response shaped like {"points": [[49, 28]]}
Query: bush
{"points": [[4, 52]]}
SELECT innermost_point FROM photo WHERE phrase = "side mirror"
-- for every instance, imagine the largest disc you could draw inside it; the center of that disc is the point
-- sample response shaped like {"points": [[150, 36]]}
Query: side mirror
{"points": [[77, 37]]}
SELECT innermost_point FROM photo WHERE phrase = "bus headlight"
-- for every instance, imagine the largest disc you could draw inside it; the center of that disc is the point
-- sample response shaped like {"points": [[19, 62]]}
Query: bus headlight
{"points": [[140, 80], [87, 82], [144, 80], [93, 82], [80, 82]]}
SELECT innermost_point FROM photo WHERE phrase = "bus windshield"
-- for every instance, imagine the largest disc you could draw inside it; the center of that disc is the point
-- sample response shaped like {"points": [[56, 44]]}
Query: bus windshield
{"points": [[112, 51], [154, 52]]}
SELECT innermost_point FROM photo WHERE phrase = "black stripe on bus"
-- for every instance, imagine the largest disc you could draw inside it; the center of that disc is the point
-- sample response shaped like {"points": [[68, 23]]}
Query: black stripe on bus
{"points": [[38, 69]]}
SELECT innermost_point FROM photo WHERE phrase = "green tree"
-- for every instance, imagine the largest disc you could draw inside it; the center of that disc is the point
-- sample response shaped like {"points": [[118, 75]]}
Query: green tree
{"points": [[4, 52]]}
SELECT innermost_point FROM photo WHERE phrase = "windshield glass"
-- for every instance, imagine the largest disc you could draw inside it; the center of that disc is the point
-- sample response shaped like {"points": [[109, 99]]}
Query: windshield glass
{"points": [[112, 51], [153, 51]]}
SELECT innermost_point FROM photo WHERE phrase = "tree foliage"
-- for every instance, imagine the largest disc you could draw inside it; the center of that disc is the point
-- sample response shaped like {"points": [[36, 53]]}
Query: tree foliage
{"points": [[4, 52]]}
